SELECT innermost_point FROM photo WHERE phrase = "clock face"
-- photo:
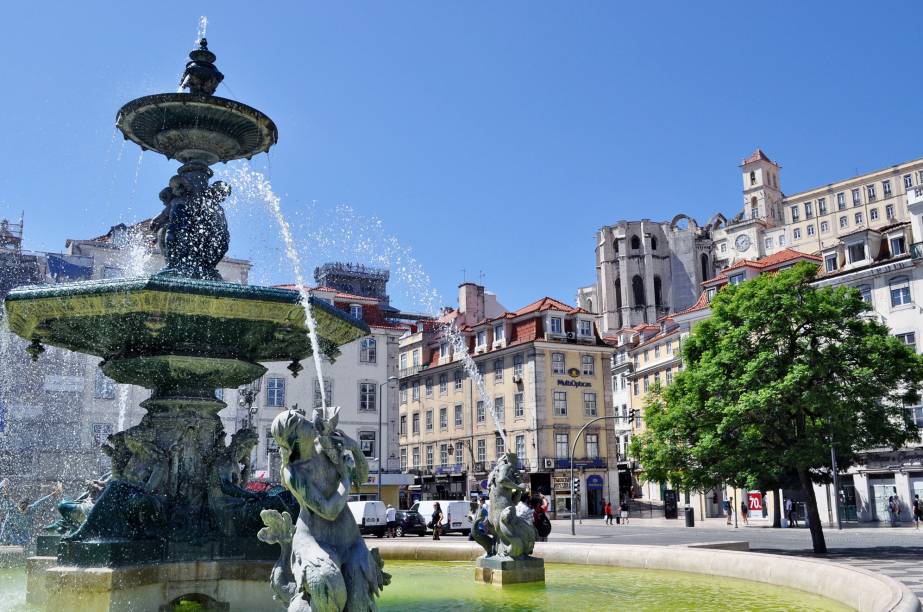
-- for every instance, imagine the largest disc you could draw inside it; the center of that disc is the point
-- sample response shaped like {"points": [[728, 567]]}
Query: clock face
{"points": [[742, 242]]}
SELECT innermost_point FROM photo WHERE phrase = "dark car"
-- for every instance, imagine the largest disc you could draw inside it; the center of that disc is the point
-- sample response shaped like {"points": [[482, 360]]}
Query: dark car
{"points": [[409, 521]]}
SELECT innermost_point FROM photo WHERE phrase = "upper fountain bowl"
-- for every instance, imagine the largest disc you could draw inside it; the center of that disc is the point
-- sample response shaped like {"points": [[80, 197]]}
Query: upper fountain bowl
{"points": [[197, 126]]}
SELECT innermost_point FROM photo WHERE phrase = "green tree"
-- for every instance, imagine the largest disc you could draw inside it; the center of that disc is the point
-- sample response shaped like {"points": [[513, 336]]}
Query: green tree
{"points": [[779, 369]]}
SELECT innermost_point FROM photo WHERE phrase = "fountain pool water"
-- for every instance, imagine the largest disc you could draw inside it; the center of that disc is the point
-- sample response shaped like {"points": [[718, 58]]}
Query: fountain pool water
{"points": [[447, 587]]}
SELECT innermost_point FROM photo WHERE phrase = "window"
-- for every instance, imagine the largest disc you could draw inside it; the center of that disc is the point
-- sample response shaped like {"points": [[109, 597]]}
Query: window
{"points": [[858, 218], [635, 242], [328, 393], [865, 291], [637, 387], [416, 457], [498, 332], [403, 394], [873, 214], [886, 188], [499, 447], [443, 455], [557, 325], [822, 206], [429, 420], [856, 197], [481, 338], [498, 370], [367, 396], [585, 328], [517, 365], [403, 361], [404, 459], [910, 339], [458, 415], [657, 351], [356, 311], [637, 418], [724, 247], [808, 210], [669, 376], [856, 252], [500, 409], [481, 415], [589, 403], [443, 417], [900, 291], [824, 227], [429, 456], [589, 365], [844, 222], [647, 383], [841, 201], [443, 350], [796, 234], [560, 403], [768, 243], [368, 351], [898, 246], [908, 181], [781, 239], [367, 443], [459, 449], [919, 177], [752, 177], [561, 447], [482, 368], [457, 378], [870, 192], [796, 215], [520, 447], [104, 387], [518, 408], [443, 384], [429, 386], [415, 390], [482, 450], [737, 279], [592, 446], [810, 230], [830, 263], [275, 392], [416, 357], [416, 423], [403, 426], [557, 363]]}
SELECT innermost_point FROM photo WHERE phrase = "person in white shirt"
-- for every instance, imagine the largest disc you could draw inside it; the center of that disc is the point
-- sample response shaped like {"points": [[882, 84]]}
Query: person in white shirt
{"points": [[391, 517]]}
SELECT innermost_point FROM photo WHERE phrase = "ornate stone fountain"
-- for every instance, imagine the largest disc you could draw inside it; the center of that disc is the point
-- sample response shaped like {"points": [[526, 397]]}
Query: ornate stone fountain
{"points": [[175, 505]]}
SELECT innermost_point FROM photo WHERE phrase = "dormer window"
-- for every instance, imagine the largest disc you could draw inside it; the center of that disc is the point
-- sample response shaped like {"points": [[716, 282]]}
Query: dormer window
{"points": [[481, 338], [710, 293], [856, 252], [498, 332], [585, 328], [556, 325], [356, 311], [830, 263], [443, 349], [737, 279], [898, 246]]}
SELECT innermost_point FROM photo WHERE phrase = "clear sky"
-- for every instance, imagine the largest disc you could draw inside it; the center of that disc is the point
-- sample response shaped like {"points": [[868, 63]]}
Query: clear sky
{"points": [[490, 137]]}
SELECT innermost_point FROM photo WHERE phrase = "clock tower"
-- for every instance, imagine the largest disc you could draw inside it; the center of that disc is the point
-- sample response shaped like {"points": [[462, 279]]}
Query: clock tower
{"points": [[762, 195]]}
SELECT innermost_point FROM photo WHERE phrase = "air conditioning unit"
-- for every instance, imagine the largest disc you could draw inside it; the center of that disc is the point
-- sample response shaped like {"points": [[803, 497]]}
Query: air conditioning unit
{"points": [[549, 464], [571, 336]]}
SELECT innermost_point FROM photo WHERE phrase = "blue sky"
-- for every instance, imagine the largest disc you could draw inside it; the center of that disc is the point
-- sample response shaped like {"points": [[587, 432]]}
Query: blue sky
{"points": [[490, 137]]}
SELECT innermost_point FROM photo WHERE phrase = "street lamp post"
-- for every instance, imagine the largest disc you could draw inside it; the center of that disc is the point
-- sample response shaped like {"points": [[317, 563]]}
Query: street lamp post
{"points": [[573, 449], [381, 454]]}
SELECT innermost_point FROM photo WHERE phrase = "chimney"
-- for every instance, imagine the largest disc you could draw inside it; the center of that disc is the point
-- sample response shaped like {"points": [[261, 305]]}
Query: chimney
{"points": [[471, 302]]}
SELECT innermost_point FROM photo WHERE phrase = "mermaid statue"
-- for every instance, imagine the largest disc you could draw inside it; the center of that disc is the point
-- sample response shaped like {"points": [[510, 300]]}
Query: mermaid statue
{"points": [[325, 565], [503, 533]]}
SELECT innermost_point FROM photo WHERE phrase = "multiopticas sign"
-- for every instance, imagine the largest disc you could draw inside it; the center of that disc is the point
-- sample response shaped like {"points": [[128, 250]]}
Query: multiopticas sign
{"points": [[573, 383]]}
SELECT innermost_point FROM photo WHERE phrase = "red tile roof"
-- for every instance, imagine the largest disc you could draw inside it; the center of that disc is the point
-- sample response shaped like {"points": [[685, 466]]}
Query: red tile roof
{"points": [[700, 304], [757, 155], [547, 303], [769, 261]]}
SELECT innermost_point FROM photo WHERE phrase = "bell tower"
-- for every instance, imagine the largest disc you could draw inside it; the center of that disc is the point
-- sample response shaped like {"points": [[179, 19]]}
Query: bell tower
{"points": [[761, 193]]}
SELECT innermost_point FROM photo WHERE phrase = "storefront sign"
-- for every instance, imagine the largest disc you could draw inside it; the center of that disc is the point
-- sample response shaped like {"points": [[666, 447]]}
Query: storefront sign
{"points": [[563, 382], [561, 482], [755, 501], [594, 481]]}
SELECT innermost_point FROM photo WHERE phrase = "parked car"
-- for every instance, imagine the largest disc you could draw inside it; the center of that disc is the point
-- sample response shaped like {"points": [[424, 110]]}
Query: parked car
{"points": [[455, 512], [410, 522], [371, 517]]}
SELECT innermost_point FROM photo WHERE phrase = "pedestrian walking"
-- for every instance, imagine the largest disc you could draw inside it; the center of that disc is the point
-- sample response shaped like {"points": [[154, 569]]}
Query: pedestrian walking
{"points": [[744, 512], [17, 528], [917, 511], [726, 506], [540, 519], [608, 511], [436, 521], [391, 517], [623, 511], [894, 509], [790, 513]]}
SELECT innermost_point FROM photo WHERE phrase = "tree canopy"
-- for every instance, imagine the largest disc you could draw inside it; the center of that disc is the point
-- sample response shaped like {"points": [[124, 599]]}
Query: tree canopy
{"points": [[779, 369]]}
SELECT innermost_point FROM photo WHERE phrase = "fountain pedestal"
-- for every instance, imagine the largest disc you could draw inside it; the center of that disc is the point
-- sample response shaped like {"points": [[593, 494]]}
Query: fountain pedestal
{"points": [[501, 572]]}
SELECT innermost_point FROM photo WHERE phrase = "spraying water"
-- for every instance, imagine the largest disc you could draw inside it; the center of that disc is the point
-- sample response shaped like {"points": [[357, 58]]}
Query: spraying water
{"points": [[134, 181], [122, 395], [203, 25], [254, 183]]}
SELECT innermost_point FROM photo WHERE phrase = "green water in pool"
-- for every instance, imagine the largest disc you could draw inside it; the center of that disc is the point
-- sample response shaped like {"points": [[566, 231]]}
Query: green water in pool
{"points": [[450, 587]]}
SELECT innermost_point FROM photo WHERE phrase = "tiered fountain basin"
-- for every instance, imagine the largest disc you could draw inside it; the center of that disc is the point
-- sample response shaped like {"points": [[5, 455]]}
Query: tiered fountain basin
{"points": [[435, 576]]}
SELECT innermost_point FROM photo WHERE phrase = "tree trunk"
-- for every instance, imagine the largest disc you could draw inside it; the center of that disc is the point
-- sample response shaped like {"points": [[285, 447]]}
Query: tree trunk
{"points": [[817, 530], [776, 509]]}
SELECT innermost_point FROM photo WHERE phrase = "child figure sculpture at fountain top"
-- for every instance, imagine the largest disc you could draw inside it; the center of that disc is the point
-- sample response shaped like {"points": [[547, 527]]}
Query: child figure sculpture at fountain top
{"points": [[329, 568]]}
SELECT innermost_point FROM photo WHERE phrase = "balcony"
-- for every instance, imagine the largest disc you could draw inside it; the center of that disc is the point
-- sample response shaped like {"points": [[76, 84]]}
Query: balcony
{"points": [[411, 371], [916, 250]]}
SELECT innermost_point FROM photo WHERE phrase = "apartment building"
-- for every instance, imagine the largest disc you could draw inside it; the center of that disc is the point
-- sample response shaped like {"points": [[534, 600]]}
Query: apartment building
{"points": [[546, 376]]}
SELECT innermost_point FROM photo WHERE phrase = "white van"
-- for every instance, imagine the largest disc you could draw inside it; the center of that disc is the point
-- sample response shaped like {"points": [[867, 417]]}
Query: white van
{"points": [[371, 516], [456, 514]]}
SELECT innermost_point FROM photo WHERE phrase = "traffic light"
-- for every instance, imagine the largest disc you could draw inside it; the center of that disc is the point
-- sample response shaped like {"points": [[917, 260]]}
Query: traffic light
{"points": [[631, 415], [576, 485]]}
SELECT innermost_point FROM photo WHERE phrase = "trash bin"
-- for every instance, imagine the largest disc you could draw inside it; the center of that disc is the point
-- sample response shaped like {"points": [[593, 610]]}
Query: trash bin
{"points": [[690, 517]]}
